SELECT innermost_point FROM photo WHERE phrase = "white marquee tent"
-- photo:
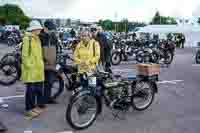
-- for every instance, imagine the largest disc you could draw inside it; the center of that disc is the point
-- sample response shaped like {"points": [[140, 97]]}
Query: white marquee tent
{"points": [[192, 33]]}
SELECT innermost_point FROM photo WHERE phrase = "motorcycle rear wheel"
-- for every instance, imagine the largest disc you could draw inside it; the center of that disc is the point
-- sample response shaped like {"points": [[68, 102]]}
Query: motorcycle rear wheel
{"points": [[143, 96]]}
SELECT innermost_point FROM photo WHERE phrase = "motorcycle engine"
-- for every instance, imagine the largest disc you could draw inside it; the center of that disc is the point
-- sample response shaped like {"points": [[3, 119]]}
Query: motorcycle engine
{"points": [[118, 97]]}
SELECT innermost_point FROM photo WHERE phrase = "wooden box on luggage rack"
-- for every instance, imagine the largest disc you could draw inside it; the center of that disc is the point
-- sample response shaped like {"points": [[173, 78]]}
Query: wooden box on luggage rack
{"points": [[148, 69]]}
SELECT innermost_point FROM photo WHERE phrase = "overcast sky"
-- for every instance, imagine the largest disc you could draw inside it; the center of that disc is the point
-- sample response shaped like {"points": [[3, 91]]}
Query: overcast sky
{"points": [[92, 10]]}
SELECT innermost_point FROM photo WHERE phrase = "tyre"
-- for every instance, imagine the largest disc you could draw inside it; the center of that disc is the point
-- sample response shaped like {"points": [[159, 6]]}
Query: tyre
{"points": [[57, 87], [8, 58], [125, 57], [129, 51], [143, 96], [147, 58], [116, 58], [197, 57], [9, 73], [155, 57], [168, 57], [82, 104], [11, 42], [140, 58]]}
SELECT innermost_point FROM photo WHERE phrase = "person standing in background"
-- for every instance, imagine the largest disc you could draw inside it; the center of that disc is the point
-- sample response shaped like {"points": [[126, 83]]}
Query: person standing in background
{"points": [[105, 48], [73, 33]]}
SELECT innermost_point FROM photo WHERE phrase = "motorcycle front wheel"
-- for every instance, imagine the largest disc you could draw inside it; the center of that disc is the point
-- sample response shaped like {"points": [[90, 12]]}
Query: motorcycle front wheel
{"points": [[155, 57], [139, 58], [82, 110], [116, 58], [168, 57], [57, 87], [197, 57]]}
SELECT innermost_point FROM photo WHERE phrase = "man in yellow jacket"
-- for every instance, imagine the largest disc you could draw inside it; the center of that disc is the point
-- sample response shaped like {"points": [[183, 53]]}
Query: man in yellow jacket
{"points": [[87, 53], [33, 70]]}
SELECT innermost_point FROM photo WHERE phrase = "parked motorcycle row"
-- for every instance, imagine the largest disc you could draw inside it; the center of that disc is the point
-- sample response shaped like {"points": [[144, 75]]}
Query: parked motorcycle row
{"points": [[11, 38], [143, 51]]}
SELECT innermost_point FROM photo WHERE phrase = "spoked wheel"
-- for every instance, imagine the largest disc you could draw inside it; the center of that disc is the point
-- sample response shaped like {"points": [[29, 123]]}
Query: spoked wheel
{"points": [[10, 42], [197, 58], [116, 58], [139, 58], [8, 74], [57, 87], [155, 58], [143, 96], [8, 58], [82, 111], [147, 59], [168, 58]]}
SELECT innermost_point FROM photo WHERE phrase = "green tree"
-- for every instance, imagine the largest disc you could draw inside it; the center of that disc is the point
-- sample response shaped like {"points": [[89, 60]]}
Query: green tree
{"points": [[125, 23], [158, 19], [12, 14], [107, 24], [2, 20]]}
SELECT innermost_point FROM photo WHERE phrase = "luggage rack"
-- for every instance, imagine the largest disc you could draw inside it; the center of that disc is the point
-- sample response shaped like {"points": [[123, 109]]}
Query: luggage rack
{"points": [[154, 78]]}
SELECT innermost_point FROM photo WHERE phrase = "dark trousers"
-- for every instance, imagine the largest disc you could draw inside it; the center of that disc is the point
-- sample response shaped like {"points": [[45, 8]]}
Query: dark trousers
{"points": [[34, 95], [49, 79]]}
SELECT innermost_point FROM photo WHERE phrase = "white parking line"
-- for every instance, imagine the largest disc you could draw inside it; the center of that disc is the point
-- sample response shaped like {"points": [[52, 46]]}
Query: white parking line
{"points": [[196, 65], [170, 81], [11, 97], [66, 132]]}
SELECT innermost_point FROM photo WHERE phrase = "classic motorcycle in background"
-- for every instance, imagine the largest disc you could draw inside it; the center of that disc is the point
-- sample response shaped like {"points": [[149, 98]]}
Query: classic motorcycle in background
{"points": [[197, 56]]}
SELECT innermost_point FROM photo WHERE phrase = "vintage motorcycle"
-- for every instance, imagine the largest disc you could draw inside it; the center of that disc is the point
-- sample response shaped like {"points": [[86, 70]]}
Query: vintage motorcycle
{"points": [[119, 53], [119, 94], [197, 56]]}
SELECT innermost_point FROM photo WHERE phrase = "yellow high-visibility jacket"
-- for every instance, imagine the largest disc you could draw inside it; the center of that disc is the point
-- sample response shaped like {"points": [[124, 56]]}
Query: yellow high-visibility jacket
{"points": [[32, 59], [89, 54]]}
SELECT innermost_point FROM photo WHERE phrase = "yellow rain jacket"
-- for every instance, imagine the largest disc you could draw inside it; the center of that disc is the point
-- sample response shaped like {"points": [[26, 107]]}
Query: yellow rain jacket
{"points": [[89, 54], [32, 59]]}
